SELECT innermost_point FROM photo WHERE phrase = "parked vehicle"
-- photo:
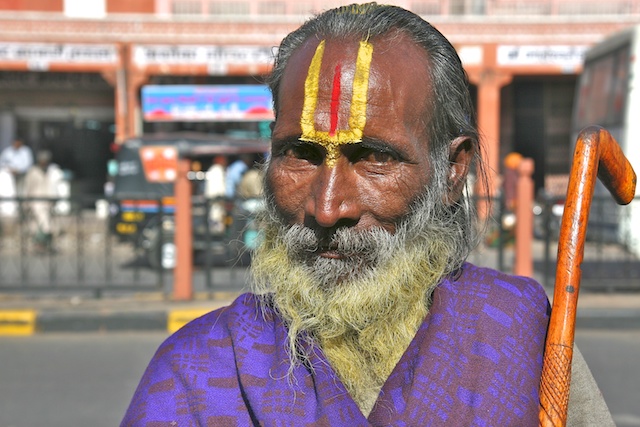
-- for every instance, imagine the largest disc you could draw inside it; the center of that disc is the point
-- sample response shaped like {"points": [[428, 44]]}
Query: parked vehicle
{"points": [[142, 205], [607, 95]]}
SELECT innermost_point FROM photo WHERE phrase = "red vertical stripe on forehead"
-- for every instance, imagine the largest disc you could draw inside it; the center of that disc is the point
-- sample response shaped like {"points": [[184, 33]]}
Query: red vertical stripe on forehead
{"points": [[335, 101]]}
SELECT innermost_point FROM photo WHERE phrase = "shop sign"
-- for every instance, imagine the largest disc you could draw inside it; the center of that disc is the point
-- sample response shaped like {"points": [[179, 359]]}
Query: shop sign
{"points": [[561, 55], [206, 103], [40, 55], [202, 55], [470, 55]]}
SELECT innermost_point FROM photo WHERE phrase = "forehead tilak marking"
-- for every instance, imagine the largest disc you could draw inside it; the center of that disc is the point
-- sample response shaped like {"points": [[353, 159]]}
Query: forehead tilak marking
{"points": [[333, 139]]}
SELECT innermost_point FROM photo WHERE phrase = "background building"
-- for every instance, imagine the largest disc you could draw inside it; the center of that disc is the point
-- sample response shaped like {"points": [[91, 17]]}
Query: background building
{"points": [[71, 71]]}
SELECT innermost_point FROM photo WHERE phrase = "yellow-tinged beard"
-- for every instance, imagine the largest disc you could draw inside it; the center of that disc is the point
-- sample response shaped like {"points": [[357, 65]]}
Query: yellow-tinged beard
{"points": [[363, 323]]}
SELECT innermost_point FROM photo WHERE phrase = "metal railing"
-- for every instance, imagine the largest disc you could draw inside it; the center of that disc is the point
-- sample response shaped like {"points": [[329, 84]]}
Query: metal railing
{"points": [[85, 256], [612, 250]]}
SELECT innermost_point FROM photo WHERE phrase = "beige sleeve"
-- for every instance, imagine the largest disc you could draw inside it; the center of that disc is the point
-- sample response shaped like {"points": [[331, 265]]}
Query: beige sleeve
{"points": [[586, 404]]}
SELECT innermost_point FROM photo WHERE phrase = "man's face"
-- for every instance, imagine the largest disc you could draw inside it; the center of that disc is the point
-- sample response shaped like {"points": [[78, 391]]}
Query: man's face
{"points": [[356, 234], [350, 145]]}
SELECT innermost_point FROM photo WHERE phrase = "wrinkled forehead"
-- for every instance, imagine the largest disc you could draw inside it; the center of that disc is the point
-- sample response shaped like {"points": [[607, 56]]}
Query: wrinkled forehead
{"points": [[337, 86], [394, 59], [333, 52]]}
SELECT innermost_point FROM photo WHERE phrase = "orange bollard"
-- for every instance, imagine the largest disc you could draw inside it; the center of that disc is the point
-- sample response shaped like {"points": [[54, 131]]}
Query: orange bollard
{"points": [[524, 220], [183, 272]]}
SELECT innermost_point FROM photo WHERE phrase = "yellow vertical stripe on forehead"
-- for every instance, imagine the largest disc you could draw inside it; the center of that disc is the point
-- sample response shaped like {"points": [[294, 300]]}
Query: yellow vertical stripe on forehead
{"points": [[358, 110], [358, 117], [311, 83]]}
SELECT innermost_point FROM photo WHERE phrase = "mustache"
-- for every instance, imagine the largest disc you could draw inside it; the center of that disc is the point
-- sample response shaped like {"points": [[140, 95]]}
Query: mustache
{"points": [[427, 218], [357, 251], [344, 241]]}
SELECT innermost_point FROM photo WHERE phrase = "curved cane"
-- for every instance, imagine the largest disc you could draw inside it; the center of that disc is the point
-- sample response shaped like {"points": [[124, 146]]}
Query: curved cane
{"points": [[596, 153]]}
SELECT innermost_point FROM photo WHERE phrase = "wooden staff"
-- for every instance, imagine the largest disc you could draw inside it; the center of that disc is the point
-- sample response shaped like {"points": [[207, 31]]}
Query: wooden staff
{"points": [[596, 154]]}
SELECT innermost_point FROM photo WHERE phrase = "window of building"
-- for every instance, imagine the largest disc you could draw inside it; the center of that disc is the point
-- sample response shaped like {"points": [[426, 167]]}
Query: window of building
{"points": [[229, 8], [426, 7], [272, 8], [186, 7]]}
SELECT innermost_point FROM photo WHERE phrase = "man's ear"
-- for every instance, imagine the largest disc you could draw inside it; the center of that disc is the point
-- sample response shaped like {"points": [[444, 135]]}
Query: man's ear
{"points": [[461, 153]]}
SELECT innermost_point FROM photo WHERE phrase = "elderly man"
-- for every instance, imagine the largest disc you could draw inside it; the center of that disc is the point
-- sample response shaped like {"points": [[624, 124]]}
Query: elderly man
{"points": [[364, 311]]}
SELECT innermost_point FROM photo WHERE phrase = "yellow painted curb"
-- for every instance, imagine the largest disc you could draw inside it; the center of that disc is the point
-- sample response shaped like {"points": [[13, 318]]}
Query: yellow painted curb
{"points": [[17, 322], [178, 318]]}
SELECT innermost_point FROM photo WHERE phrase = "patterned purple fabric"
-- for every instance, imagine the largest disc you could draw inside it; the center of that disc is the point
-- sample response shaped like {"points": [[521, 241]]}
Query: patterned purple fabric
{"points": [[475, 361]]}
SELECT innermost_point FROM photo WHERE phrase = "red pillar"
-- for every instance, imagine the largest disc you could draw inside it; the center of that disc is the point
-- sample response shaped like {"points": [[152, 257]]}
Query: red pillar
{"points": [[183, 273], [489, 122], [136, 77], [489, 80], [121, 107], [118, 79]]}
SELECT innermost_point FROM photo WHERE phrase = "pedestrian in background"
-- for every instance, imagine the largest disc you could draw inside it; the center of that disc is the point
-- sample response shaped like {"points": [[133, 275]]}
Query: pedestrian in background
{"points": [[17, 159], [510, 180]]}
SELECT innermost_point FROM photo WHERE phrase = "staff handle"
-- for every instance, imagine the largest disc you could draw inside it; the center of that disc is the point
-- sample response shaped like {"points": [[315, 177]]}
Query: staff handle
{"points": [[597, 154]]}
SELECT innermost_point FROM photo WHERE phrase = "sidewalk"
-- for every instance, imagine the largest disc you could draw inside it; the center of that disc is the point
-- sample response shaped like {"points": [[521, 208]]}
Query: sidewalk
{"points": [[153, 312], [135, 312]]}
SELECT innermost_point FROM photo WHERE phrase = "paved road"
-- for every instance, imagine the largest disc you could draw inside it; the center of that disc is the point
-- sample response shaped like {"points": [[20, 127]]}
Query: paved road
{"points": [[613, 358], [79, 380], [71, 380]]}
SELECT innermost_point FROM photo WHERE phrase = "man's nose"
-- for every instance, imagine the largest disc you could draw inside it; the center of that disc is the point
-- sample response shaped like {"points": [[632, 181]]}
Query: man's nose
{"points": [[334, 196]]}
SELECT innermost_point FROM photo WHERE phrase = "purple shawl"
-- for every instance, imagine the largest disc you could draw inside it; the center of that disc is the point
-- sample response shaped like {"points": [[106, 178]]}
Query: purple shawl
{"points": [[475, 361]]}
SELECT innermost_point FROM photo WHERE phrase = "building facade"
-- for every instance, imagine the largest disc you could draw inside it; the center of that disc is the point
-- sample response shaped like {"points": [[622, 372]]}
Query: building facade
{"points": [[71, 71]]}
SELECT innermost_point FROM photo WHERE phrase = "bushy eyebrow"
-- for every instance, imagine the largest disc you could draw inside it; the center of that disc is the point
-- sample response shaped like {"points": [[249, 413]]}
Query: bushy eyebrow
{"points": [[289, 141], [367, 143]]}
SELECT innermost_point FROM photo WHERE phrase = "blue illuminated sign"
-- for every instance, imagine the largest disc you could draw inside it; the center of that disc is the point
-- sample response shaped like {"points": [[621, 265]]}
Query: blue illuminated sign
{"points": [[206, 103]]}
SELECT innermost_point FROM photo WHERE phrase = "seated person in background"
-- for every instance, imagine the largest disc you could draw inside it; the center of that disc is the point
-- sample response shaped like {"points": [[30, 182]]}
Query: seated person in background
{"points": [[234, 174], [39, 184], [363, 310], [215, 188], [250, 186]]}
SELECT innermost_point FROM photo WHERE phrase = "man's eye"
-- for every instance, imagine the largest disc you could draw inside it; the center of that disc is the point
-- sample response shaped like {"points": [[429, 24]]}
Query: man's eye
{"points": [[375, 156], [303, 152]]}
